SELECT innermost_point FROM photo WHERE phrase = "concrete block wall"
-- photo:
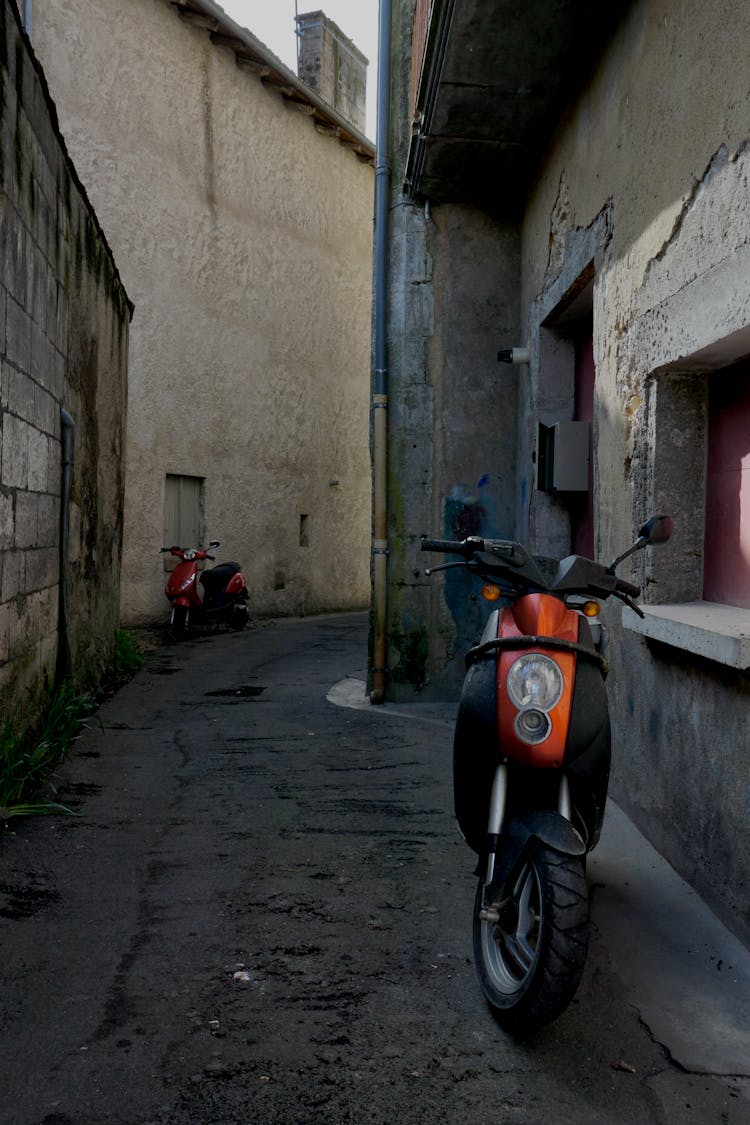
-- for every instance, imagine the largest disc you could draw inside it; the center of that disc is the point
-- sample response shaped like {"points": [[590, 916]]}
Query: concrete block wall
{"points": [[63, 343], [453, 303], [671, 310]]}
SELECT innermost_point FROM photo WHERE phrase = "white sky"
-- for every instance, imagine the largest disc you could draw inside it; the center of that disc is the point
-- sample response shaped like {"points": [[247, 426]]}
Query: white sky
{"points": [[273, 23]]}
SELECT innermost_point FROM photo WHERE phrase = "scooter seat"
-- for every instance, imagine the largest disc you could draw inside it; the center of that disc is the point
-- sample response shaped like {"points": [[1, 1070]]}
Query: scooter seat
{"points": [[218, 576]]}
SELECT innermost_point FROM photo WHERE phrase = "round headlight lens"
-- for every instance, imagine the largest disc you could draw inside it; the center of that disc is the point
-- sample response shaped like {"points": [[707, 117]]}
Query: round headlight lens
{"points": [[533, 726], [535, 681]]}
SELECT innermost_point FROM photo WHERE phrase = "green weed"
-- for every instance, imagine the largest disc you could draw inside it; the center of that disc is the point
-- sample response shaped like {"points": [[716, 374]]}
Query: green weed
{"points": [[28, 761], [128, 658]]}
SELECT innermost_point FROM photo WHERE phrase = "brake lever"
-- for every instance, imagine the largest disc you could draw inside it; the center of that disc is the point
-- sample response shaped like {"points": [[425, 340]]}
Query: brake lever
{"points": [[630, 604], [445, 566]]}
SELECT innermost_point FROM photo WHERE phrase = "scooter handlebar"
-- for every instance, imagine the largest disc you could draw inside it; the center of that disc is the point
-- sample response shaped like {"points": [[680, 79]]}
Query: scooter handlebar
{"points": [[627, 588], [450, 546], [199, 552]]}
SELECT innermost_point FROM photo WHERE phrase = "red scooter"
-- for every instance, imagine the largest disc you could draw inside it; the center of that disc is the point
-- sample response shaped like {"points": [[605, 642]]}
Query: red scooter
{"points": [[531, 763], [224, 591]]}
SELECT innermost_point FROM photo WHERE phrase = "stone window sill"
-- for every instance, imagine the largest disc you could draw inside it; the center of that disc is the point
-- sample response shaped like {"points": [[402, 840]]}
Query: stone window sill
{"points": [[716, 632]]}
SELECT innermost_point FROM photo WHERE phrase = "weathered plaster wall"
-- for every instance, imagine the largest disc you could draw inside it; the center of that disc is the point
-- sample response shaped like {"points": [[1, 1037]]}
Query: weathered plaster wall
{"points": [[244, 238], [452, 411], [63, 343], [658, 144]]}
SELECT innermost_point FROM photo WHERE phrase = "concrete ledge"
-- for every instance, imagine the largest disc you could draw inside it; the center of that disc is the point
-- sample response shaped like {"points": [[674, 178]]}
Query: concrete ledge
{"points": [[716, 632]]}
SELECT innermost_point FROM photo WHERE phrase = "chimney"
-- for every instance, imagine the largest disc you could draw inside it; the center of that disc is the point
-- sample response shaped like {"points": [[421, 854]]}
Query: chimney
{"points": [[333, 66]]}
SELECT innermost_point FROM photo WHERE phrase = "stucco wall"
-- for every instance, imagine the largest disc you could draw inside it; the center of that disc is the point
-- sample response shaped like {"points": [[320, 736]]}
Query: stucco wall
{"points": [[63, 343], [244, 238], [654, 159]]}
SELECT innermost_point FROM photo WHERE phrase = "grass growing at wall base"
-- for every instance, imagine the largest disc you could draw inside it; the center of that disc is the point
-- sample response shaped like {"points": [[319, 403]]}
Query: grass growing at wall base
{"points": [[128, 656], [28, 761]]}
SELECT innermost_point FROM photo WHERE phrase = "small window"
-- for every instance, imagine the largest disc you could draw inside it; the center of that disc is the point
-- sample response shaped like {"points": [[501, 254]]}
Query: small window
{"points": [[726, 572], [183, 511]]}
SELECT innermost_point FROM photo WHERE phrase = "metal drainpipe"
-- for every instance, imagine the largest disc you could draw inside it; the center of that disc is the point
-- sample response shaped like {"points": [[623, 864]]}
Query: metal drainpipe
{"points": [[380, 396], [67, 440]]}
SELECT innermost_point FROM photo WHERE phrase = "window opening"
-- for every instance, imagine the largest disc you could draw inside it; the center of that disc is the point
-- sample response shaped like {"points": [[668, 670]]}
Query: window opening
{"points": [[582, 505], [726, 568]]}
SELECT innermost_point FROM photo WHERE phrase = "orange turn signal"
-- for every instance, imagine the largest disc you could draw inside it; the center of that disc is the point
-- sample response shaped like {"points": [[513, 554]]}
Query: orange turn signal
{"points": [[591, 609], [491, 593]]}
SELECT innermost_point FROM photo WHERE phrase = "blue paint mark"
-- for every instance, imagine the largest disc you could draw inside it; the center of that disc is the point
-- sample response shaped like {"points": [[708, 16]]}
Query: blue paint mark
{"points": [[465, 514]]}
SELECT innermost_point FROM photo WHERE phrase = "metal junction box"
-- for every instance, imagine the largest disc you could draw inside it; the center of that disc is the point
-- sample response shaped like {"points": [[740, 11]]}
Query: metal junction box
{"points": [[563, 457]]}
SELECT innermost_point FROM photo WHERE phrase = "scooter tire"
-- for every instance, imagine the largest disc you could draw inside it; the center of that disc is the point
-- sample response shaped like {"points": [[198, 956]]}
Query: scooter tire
{"points": [[239, 617], [179, 622], [531, 960]]}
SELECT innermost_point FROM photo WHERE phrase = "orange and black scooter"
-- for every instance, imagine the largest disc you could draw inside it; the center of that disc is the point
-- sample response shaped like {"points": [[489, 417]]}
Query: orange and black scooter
{"points": [[531, 765]]}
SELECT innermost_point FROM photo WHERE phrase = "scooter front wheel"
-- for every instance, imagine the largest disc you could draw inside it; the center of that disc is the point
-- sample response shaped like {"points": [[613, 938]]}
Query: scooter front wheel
{"points": [[530, 947], [178, 622]]}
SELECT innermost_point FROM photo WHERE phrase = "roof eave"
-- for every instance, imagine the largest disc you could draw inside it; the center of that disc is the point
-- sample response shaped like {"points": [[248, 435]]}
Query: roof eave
{"points": [[252, 54]]}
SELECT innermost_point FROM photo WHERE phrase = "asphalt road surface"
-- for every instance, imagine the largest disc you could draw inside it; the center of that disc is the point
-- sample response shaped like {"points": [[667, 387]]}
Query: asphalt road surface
{"points": [[263, 914]]}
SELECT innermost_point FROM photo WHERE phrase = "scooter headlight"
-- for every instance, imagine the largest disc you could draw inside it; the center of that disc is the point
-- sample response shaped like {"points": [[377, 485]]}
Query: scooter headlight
{"points": [[533, 726], [535, 681]]}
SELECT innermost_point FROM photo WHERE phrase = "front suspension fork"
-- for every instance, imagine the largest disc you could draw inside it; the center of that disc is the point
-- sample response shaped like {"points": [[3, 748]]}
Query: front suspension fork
{"points": [[496, 818], [498, 798]]}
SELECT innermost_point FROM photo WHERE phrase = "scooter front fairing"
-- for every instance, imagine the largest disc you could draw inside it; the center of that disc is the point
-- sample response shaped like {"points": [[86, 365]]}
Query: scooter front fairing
{"points": [[573, 733]]}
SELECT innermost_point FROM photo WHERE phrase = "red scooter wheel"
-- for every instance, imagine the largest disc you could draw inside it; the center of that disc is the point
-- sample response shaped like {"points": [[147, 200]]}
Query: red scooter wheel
{"points": [[179, 622]]}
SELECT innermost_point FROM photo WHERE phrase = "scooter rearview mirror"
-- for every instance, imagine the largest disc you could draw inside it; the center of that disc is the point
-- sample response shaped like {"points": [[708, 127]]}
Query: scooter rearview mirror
{"points": [[656, 530]]}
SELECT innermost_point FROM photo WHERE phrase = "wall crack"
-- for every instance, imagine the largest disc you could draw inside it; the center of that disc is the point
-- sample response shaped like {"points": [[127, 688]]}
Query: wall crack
{"points": [[719, 160], [677, 1065]]}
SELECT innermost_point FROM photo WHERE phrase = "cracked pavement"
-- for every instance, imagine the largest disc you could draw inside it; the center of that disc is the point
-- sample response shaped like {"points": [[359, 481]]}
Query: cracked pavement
{"points": [[263, 914]]}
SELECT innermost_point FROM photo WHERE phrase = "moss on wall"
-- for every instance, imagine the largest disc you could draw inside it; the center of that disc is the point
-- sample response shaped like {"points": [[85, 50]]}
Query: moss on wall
{"points": [[72, 355]]}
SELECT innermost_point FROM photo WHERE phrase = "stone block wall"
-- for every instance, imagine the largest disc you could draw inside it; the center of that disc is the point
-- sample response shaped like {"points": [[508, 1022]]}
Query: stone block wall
{"points": [[64, 319]]}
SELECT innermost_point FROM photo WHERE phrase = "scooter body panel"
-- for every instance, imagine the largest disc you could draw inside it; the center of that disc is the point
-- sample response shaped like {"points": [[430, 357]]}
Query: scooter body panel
{"points": [[481, 739], [537, 615], [223, 588], [236, 584], [181, 584]]}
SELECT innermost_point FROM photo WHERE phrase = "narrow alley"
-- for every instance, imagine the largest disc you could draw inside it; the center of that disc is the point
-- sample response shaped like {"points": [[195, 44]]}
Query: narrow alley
{"points": [[263, 914]]}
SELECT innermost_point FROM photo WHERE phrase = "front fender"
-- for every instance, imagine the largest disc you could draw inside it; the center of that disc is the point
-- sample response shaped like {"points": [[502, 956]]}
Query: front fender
{"points": [[549, 828]]}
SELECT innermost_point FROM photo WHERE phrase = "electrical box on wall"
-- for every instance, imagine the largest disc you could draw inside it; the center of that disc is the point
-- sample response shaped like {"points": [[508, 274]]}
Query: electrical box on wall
{"points": [[563, 457]]}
